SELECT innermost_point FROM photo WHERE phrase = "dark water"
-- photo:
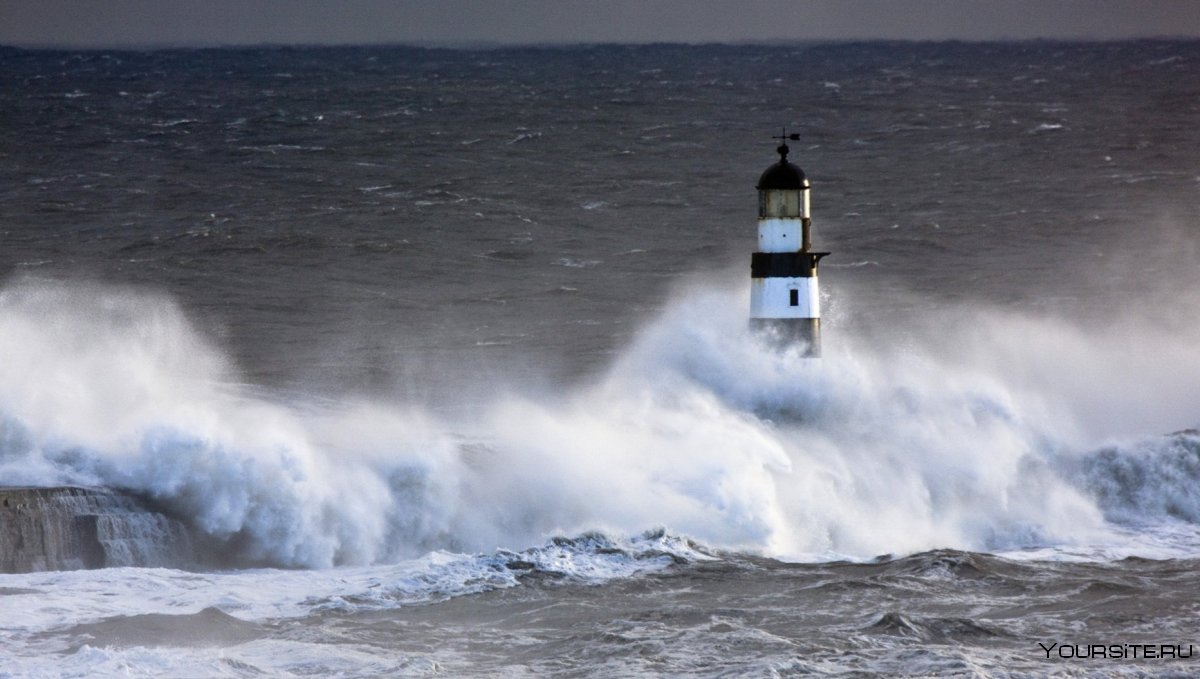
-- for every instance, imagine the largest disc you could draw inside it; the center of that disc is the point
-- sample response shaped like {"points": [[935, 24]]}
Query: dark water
{"points": [[396, 317], [423, 200], [939, 613]]}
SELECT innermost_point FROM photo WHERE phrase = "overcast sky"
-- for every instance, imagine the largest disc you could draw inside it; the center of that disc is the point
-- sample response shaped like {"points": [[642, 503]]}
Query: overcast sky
{"points": [[115, 23]]}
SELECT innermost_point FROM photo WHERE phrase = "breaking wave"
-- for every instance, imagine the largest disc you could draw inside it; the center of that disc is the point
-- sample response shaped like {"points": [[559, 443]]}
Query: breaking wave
{"points": [[983, 431]]}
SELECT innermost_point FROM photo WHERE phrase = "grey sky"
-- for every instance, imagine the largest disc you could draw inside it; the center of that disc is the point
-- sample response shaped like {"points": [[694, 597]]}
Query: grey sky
{"points": [[106, 23]]}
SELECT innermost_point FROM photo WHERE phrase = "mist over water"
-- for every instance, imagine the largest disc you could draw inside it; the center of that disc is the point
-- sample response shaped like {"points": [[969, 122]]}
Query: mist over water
{"points": [[982, 430]]}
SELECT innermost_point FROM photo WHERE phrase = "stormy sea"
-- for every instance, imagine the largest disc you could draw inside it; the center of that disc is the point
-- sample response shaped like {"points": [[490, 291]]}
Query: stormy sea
{"points": [[441, 359]]}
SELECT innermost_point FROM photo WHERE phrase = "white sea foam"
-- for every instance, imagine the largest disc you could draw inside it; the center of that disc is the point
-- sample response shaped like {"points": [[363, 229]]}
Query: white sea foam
{"points": [[973, 434], [52, 604], [58, 599]]}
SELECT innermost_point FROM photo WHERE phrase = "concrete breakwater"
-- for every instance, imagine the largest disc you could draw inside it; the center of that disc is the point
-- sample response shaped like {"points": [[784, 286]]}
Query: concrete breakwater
{"points": [[70, 528]]}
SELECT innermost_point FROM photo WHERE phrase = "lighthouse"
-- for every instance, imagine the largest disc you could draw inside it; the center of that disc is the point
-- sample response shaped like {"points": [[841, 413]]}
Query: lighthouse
{"points": [[784, 300]]}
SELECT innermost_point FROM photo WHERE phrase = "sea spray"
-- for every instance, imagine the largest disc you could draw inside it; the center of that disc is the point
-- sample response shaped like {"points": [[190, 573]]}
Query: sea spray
{"points": [[946, 440], [1149, 481], [889, 449], [113, 387]]}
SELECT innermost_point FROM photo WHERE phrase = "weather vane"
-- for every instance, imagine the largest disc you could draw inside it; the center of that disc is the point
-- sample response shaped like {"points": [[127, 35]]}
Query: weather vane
{"points": [[782, 150], [795, 136]]}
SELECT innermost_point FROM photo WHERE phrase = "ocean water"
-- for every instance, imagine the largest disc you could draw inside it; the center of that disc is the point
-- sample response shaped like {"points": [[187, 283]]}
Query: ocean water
{"points": [[446, 351]]}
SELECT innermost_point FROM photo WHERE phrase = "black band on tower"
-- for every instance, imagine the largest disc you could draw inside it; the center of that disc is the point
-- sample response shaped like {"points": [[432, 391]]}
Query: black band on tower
{"points": [[785, 264]]}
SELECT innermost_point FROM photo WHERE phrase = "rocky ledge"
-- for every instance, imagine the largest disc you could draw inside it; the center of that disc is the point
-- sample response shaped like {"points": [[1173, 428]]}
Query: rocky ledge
{"points": [[70, 528]]}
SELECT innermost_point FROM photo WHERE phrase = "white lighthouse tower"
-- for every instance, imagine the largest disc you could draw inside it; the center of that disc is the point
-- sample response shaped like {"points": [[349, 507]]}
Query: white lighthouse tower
{"points": [[784, 300]]}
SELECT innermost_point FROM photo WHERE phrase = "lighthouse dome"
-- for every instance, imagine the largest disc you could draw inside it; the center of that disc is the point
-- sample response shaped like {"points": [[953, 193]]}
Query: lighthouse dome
{"points": [[783, 176]]}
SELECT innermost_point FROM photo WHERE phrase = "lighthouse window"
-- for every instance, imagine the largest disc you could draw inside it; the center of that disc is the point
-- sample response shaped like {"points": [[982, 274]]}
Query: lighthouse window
{"points": [[776, 204], [794, 297]]}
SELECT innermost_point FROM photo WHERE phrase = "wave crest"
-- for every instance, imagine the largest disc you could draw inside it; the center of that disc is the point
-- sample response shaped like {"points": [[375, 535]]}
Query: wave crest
{"points": [[970, 437]]}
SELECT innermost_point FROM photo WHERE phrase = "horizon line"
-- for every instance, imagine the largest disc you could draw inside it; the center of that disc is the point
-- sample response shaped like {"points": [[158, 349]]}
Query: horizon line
{"points": [[472, 45]]}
